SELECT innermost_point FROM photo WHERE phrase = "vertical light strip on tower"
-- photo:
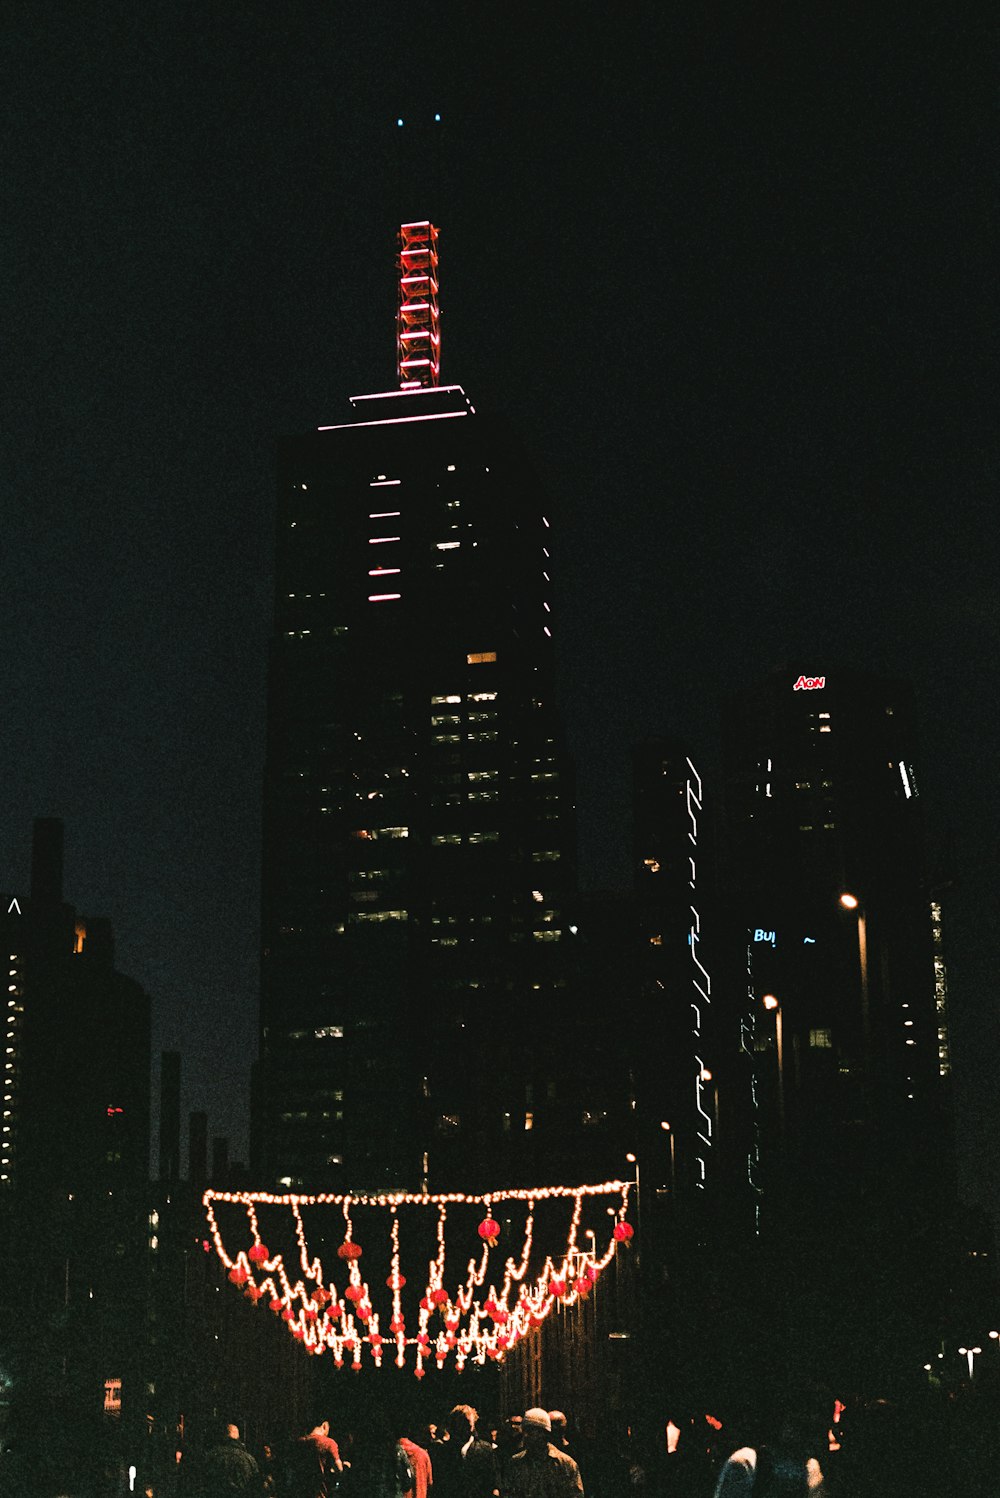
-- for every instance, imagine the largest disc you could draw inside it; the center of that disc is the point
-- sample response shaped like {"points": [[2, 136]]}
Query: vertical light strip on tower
{"points": [[418, 320], [700, 980]]}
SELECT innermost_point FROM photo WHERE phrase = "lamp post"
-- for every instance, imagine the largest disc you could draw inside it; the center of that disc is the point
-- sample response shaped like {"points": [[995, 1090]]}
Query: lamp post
{"points": [[771, 1002], [970, 1353], [851, 902], [633, 1160], [673, 1156]]}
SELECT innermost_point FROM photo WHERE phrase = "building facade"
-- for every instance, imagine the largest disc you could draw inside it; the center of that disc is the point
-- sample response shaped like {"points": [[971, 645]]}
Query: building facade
{"points": [[418, 806], [846, 1108]]}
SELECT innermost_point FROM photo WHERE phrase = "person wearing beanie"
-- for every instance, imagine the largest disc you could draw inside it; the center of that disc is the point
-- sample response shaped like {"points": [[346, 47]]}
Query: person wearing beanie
{"points": [[541, 1470]]}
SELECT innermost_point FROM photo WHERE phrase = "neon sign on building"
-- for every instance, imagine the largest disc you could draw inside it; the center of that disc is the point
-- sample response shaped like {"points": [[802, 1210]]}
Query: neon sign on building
{"points": [[809, 683]]}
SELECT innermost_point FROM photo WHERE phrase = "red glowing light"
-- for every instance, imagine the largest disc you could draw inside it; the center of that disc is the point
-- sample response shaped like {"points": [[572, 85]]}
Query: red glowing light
{"points": [[809, 683], [418, 323]]}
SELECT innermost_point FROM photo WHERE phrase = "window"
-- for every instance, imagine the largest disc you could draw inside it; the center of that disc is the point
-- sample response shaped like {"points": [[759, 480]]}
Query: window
{"points": [[478, 697], [480, 657], [483, 837], [326, 1032], [435, 701], [821, 1039], [445, 837]]}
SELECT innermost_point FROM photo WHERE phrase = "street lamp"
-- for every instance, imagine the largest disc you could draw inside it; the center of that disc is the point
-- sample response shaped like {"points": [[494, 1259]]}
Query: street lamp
{"points": [[771, 1002], [633, 1160], [673, 1157], [970, 1353], [851, 902]]}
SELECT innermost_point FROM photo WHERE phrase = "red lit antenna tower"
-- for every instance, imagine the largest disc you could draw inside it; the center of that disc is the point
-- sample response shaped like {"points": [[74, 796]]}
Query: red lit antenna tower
{"points": [[418, 320]]}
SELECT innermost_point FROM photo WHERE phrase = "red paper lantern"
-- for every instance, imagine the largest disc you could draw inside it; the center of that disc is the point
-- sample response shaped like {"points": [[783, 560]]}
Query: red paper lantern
{"points": [[238, 1275], [623, 1232], [418, 1373], [354, 1292], [440, 1297], [425, 1304], [397, 1325], [258, 1254], [274, 1304], [348, 1250], [489, 1230], [396, 1281], [322, 1297]]}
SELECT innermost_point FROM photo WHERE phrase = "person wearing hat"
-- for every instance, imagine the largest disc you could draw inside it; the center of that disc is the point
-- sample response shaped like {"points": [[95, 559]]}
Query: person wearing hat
{"points": [[541, 1470]]}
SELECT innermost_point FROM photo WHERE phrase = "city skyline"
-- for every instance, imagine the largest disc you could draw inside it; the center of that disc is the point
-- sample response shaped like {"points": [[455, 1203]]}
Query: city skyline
{"points": [[735, 310]]}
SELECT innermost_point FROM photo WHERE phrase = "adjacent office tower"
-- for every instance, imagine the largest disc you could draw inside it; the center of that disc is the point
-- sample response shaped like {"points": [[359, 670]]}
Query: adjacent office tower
{"points": [[417, 802], [673, 1044], [830, 876], [74, 1158]]}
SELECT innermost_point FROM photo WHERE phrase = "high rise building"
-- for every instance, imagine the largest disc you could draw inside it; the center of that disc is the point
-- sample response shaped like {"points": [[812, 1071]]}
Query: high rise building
{"points": [[74, 1161], [418, 803], [845, 1022], [674, 1044]]}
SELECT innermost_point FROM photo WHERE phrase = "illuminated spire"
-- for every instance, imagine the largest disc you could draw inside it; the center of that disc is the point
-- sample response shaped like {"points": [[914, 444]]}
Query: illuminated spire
{"points": [[418, 320]]}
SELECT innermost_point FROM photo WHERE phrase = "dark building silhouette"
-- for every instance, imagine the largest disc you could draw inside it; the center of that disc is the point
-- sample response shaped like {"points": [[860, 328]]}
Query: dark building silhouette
{"points": [[75, 1157], [418, 844], [847, 1111]]}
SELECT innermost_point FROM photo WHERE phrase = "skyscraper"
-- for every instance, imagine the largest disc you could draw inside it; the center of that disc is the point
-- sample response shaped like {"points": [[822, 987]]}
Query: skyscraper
{"points": [[74, 1161], [418, 800], [846, 1018]]}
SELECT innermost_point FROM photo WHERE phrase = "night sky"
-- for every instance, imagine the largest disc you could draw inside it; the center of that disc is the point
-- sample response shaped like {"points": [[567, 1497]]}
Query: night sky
{"points": [[729, 269]]}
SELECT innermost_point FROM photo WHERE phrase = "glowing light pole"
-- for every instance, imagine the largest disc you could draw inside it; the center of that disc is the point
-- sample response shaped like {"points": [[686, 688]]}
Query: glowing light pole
{"points": [[970, 1353], [673, 1158], [851, 902], [633, 1160], [770, 1002]]}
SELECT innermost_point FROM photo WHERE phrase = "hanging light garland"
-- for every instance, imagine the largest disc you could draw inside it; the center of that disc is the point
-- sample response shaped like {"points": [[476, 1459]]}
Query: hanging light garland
{"points": [[475, 1317]]}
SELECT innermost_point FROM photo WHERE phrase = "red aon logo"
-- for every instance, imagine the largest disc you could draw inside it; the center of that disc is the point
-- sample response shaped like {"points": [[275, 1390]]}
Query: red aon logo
{"points": [[809, 683]]}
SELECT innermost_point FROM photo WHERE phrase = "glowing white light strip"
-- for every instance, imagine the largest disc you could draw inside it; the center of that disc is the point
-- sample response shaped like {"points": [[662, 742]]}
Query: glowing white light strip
{"points": [[384, 483], [382, 597], [383, 571], [385, 395], [391, 421], [381, 540], [385, 515]]}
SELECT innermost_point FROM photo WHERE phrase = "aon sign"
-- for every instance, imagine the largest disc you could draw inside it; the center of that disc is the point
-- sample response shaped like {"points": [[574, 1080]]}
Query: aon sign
{"points": [[809, 683]]}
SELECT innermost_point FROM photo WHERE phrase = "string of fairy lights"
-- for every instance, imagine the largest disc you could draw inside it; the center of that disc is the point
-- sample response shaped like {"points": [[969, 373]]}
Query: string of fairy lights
{"points": [[478, 1317]]}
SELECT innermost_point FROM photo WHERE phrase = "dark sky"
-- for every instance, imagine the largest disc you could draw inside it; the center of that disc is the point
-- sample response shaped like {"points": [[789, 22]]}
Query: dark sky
{"points": [[730, 270]]}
